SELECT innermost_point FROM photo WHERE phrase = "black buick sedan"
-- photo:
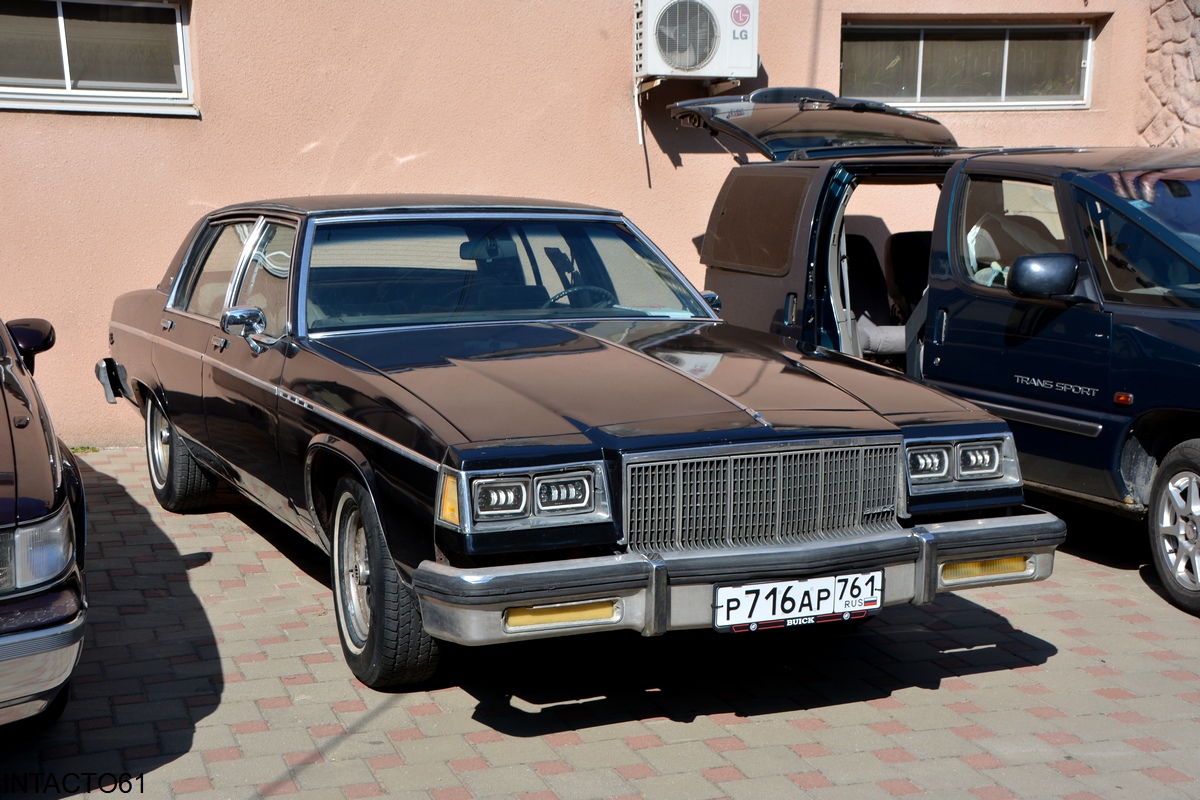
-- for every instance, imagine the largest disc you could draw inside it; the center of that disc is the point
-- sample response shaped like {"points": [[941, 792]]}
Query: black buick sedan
{"points": [[506, 419], [43, 599]]}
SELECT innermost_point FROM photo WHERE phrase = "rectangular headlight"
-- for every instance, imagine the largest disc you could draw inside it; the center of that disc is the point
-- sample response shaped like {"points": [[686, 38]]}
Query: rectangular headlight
{"points": [[978, 460], [563, 494], [35, 553], [929, 464], [500, 497]]}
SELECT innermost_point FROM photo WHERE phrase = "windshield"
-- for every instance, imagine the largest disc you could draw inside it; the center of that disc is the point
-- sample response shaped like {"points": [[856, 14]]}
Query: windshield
{"points": [[389, 272]]}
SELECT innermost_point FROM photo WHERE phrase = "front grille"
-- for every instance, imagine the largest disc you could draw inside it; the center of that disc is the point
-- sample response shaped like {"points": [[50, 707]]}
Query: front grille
{"points": [[685, 501]]}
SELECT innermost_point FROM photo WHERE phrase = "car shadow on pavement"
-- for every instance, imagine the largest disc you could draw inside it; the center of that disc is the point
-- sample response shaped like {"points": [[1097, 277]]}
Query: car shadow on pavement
{"points": [[556, 685], [149, 671]]}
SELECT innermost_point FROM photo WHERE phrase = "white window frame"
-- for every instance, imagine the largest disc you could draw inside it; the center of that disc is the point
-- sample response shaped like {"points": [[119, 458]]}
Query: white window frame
{"points": [[1001, 103], [107, 101]]}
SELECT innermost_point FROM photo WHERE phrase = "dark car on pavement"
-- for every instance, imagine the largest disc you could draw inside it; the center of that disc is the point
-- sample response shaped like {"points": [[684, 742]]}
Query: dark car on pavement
{"points": [[43, 599], [506, 419], [1057, 288]]}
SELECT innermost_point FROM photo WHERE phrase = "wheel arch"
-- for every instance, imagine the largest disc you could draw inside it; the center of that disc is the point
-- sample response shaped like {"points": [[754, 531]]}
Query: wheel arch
{"points": [[1151, 436], [329, 458], [401, 509]]}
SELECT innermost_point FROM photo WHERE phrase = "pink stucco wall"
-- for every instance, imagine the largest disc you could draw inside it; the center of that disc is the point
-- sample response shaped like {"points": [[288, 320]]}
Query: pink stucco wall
{"points": [[468, 96]]}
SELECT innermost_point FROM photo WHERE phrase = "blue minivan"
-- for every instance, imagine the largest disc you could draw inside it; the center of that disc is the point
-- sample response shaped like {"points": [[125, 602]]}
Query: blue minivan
{"points": [[1057, 288]]}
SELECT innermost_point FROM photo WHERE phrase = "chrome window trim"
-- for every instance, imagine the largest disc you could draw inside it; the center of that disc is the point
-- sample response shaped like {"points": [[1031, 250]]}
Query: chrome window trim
{"points": [[445, 213], [189, 265], [320, 335]]}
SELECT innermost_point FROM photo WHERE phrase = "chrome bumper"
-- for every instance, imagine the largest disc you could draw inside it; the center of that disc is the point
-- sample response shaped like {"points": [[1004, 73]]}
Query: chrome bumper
{"points": [[34, 666], [654, 593]]}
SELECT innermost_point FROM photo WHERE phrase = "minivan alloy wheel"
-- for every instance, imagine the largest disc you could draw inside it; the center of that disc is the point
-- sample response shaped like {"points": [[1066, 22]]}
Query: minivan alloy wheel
{"points": [[1176, 517], [1174, 525]]}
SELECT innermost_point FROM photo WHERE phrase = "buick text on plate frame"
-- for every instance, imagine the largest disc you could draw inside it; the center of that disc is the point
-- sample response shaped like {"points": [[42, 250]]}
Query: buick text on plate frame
{"points": [[778, 604]]}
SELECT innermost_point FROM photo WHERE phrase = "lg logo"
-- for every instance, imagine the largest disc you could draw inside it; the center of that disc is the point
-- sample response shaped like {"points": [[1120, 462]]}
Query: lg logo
{"points": [[740, 14]]}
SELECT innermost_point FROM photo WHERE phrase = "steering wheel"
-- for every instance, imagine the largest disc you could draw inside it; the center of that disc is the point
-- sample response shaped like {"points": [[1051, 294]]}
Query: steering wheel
{"points": [[609, 298]]}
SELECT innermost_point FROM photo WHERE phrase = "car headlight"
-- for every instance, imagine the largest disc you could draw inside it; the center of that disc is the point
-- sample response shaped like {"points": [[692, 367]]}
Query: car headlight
{"points": [[940, 466], [495, 500], [500, 497], [38, 552]]}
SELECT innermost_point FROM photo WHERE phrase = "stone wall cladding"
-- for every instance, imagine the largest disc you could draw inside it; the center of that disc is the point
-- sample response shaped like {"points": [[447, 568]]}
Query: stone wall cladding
{"points": [[1170, 113]]}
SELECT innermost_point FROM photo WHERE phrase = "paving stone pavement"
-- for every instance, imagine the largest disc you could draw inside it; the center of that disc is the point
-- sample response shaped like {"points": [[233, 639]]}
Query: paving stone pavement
{"points": [[212, 670]]}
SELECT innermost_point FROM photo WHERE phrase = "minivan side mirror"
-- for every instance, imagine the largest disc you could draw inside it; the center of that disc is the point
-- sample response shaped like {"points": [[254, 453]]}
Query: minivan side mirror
{"points": [[1044, 276], [32, 336]]}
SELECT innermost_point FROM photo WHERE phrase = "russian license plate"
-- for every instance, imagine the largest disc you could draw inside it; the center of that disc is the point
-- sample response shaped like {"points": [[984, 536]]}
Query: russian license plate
{"points": [[758, 606]]}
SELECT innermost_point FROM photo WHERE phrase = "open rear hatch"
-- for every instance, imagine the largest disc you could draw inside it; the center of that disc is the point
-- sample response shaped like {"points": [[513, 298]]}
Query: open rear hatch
{"points": [[783, 123]]}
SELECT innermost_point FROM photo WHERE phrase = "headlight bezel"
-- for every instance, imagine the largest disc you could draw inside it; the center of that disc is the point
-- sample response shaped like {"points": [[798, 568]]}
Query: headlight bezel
{"points": [[468, 484], [954, 476], [20, 566]]}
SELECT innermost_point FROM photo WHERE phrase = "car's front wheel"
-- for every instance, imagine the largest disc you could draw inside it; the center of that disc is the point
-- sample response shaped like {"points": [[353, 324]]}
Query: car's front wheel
{"points": [[1174, 522], [179, 483], [379, 618]]}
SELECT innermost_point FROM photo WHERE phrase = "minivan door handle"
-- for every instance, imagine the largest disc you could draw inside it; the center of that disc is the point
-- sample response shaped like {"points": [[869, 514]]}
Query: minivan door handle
{"points": [[939, 326]]}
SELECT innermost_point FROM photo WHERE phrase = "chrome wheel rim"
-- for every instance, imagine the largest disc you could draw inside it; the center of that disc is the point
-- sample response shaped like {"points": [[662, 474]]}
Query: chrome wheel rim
{"points": [[354, 574], [158, 444], [1176, 520]]}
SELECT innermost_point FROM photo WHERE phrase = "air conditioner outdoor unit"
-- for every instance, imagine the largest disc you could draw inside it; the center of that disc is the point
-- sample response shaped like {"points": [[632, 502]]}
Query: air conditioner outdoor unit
{"points": [[695, 38]]}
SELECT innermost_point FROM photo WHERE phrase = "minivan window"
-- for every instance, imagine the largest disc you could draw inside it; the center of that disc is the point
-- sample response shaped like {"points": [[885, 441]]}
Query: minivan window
{"points": [[759, 214]]}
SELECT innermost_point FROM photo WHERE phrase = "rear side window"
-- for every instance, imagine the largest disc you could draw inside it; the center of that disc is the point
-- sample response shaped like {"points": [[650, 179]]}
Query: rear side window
{"points": [[754, 223], [207, 295]]}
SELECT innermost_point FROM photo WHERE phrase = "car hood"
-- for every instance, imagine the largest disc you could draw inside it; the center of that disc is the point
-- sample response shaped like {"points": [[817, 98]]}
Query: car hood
{"points": [[785, 122], [28, 487], [623, 379]]}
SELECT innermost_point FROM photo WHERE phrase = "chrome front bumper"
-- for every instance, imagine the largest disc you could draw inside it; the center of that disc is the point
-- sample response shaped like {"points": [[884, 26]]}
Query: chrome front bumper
{"points": [[654, 594], [34, 666]]}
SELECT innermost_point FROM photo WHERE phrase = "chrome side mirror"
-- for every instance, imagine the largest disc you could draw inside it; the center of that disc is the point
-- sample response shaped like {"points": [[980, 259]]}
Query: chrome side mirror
{"points": [[245, 321]]}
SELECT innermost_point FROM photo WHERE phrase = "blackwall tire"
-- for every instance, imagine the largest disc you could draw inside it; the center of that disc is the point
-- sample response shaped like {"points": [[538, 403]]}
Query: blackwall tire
{"points": [[1174, 525], [179, 483], [378, 616]]}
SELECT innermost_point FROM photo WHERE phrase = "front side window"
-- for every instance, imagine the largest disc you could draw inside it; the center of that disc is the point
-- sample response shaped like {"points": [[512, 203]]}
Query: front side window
{"points": [[1134, 265], [1002, 220], [977, 66], [120, 57], [382, 273], [265, 280]]}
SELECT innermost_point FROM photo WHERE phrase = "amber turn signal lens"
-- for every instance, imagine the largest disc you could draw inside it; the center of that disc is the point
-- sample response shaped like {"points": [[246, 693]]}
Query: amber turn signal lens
{"points": [[448, 508], [536, 616], [990, 568]]}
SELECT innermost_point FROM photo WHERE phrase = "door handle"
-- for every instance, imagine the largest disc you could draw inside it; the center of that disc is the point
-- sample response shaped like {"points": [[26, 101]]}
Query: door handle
{"points": [[939, 326], [219, 343], [167, 324]]}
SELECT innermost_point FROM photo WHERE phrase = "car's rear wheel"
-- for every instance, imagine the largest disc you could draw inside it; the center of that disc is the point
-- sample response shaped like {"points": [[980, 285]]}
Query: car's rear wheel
{"points": [[379, 619], [1174, 523], [179, 483]]}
